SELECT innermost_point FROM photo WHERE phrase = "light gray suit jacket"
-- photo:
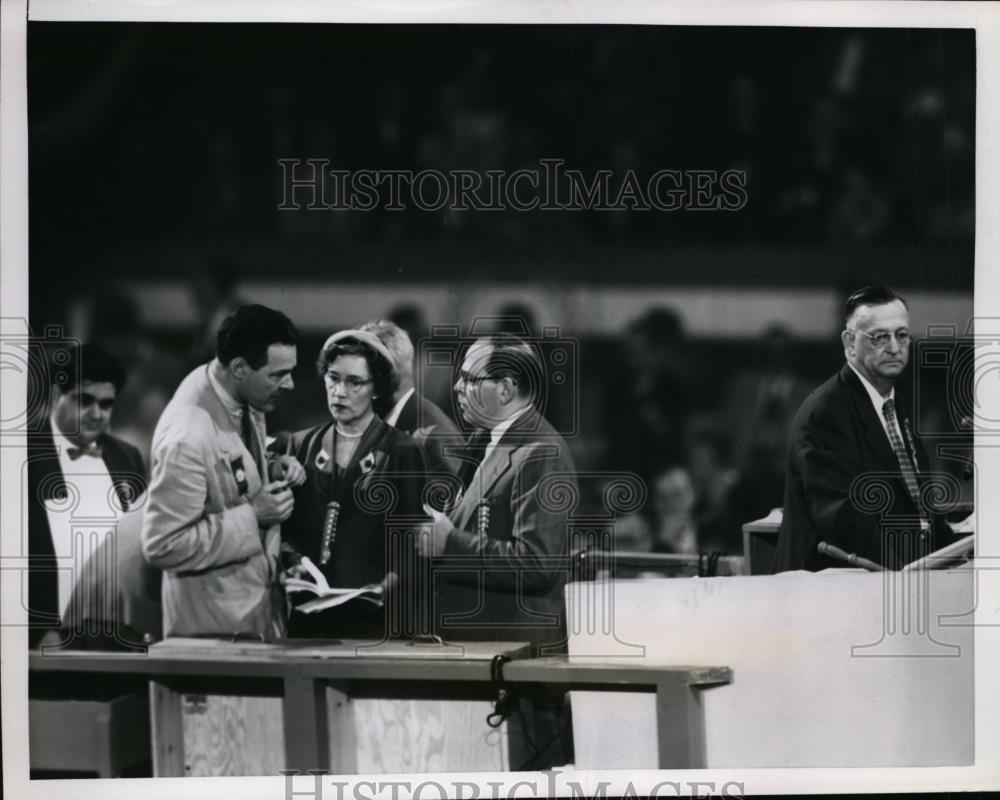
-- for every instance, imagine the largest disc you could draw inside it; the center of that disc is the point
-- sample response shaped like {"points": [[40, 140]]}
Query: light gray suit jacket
{"points": [[220, 568], [506, 583]]}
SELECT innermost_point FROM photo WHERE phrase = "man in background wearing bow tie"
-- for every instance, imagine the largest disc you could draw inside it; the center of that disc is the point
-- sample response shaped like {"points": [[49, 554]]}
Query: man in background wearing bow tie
{"points": [[856, 430], [73, 468]]}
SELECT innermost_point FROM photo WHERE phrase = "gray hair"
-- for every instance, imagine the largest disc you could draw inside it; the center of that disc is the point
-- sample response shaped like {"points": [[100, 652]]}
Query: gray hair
{"points": [[396, 341]]}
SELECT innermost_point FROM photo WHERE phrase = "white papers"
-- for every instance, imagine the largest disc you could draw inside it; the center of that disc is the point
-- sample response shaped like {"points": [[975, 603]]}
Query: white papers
{"points": [[328, 596]]}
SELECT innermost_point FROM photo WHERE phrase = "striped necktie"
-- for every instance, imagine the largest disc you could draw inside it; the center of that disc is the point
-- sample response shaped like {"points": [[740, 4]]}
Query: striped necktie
{"points": [[903, 457]]}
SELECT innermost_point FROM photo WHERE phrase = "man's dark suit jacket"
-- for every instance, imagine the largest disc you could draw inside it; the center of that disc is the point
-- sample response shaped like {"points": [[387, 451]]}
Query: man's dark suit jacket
{"points": [[46, 482], [433, 430], [508, 585], [836, 437]]}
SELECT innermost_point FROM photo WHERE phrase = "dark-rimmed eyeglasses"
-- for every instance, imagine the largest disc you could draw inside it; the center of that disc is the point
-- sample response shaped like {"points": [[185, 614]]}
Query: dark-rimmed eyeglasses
{"points": [[474, 380], [350, 382]]}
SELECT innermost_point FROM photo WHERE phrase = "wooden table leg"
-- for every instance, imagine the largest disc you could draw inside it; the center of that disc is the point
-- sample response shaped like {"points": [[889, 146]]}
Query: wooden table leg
{"points": [[342, 729], [307, 741], [680, 726], [167, 726]]}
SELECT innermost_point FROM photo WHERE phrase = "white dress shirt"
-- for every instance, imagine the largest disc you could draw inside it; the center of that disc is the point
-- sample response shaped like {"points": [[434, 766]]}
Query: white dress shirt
{"points": [[90, 509], [878, 401], [393, 416], [497, 433]]}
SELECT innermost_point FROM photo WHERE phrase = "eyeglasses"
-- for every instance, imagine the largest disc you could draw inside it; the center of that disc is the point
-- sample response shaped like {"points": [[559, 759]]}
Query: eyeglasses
{"points": [[352, 383], [473, 380], [881, 338]]}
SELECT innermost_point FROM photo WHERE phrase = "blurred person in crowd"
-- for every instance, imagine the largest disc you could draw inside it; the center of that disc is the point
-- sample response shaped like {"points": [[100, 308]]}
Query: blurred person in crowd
{"points": [[154, 369], [411, 319], [77, 470], [633, 534], [648, 405], [517, 318], [773, 389], [433, 384], [674, 529], [213, 289], [413, 413], [213, 515], [352, 460], [713, 480], [858, 424]]}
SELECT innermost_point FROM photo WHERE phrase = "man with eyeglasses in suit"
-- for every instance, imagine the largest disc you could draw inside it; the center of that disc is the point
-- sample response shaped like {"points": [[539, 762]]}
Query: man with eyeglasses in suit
{"points": [[499, 571], [506, 528], [856, 431]]}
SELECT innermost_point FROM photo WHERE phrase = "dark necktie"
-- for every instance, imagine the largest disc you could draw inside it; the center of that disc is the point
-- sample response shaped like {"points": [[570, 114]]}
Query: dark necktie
{"points": [[475, 449], [902, 456], [93, 449], [251, 441]]}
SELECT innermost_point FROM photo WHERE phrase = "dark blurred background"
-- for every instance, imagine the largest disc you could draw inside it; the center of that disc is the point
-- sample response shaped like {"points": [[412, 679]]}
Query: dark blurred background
{"points": [[154, 186]]}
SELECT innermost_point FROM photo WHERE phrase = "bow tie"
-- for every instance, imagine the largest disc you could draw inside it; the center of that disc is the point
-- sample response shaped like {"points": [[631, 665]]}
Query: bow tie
{"points": [[93, 449]]}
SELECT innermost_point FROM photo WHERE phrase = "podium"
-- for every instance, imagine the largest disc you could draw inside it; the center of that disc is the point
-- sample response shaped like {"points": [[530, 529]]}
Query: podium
{"points": [[840, 668], [760, 540]]}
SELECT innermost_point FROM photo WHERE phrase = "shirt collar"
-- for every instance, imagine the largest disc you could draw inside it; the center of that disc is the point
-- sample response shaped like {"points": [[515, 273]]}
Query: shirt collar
{"points": [[59, 439], [504, 426], [393, 416], [229, 402], [877, 399]]}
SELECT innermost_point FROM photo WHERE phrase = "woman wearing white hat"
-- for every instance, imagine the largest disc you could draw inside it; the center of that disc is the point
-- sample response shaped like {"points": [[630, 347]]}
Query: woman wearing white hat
{"points": [[364, 478]]}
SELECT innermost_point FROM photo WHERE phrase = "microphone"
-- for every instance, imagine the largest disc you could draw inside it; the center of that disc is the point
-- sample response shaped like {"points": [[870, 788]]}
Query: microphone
{"points": [[850, 558], [329, 531], [484, 519]]}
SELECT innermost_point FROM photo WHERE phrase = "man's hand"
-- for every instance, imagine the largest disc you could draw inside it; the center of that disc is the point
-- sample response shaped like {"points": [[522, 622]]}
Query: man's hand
{"points": [[273, 504], [433, 537], [288, 468], [294, 571]]}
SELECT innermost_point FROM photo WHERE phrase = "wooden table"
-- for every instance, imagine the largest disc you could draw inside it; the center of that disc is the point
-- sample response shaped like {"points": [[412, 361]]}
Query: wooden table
{"points": [[318, 680]]}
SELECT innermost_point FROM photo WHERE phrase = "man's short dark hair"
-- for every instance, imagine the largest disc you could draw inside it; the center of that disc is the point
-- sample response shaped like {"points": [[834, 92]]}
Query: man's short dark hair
{"points": [[249, 331], [512, 357], [870, 296], [88, 363]]}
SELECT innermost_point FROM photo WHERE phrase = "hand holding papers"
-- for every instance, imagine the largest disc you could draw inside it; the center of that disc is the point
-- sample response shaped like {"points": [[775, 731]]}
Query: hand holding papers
{"points": [[306, 577]]}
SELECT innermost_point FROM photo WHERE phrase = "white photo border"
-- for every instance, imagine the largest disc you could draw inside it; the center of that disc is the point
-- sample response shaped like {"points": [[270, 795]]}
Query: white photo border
{"points": [[14, 256]]}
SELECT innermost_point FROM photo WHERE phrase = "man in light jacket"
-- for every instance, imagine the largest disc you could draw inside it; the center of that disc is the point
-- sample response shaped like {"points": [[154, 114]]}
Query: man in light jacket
{"points": [[213, 515]]}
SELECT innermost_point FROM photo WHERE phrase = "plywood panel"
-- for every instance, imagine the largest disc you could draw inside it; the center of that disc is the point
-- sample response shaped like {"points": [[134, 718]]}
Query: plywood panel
{"points": [[342, 731], [167, 731], [229, 735], [427, 736]]}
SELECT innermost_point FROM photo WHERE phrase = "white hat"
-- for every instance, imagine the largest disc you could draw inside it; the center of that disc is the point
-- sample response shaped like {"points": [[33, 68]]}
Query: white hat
{"points": [[369, 339]]}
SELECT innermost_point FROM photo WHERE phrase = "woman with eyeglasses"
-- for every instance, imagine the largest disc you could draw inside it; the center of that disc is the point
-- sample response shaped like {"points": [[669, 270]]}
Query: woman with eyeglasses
{"points": [[364, 478]]}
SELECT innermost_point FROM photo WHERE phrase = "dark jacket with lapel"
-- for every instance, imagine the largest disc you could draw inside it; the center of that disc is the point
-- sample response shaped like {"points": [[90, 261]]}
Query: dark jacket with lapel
{"points": [[506, 582], [45, 483], [380, 495], [433, 430], [842, 479]]}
